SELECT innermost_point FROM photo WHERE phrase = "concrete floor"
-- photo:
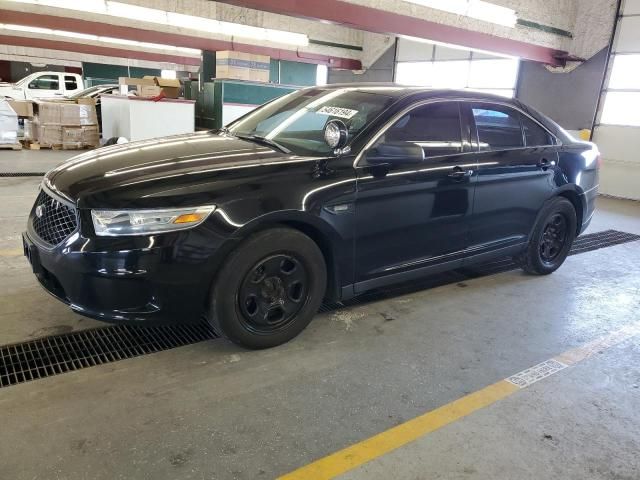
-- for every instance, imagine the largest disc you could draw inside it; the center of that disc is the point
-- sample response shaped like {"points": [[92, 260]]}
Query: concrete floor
{"points": [[213, 411]]}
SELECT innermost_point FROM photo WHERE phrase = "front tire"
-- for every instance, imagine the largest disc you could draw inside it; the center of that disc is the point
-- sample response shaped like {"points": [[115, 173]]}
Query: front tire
{"points": [[269, 289], [552, 238]]}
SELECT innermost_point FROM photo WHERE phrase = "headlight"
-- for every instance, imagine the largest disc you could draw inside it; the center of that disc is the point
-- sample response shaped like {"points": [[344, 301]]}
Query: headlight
{"points": [[109, 223]]}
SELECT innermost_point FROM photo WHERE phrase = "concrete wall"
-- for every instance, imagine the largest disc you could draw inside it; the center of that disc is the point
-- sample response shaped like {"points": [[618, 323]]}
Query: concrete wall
{"points": [[568, 98], [380, 71]]}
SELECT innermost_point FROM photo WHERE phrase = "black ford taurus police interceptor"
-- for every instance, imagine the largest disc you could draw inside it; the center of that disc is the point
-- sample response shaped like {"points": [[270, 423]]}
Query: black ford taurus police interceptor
{"points": [[322, 194]]}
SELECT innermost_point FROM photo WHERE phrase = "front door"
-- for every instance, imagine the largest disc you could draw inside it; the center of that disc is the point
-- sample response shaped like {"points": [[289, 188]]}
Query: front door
{"points": [[412, 214], [45, 86], [516, 165]]}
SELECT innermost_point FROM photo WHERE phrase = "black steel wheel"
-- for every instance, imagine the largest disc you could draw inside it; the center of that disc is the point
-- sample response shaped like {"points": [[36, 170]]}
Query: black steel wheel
{"points": [[269, 288], [552, 237], [273, 293]]}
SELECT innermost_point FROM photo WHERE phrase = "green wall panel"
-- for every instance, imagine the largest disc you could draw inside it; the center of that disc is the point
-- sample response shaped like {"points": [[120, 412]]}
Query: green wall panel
{"points": [[98, 73], [274, 71], [251, 93], [297, 73]]}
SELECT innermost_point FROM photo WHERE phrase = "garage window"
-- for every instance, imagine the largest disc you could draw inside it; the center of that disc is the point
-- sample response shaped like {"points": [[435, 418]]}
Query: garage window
{"points": [[622, 98], [495, 76]]}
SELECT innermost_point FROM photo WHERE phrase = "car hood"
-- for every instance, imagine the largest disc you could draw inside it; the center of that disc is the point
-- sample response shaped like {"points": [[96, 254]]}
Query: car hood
{"points": [[121, 174]]}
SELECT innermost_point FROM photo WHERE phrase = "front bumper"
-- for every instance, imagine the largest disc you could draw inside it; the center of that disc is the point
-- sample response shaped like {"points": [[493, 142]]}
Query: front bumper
{"points": [[155, 279]]}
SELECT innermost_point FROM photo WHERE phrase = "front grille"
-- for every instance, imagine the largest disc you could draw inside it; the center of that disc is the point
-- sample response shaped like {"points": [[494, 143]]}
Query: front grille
{"points": [[53, 221]]}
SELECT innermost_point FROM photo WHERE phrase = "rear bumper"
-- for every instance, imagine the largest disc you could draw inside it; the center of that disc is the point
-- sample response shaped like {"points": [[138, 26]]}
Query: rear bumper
{"points": [[156, 279]]}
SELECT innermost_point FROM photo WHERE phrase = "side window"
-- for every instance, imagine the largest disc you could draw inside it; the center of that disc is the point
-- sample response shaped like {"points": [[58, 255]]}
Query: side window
{"points": [[498, 127], [434, 127], [45, 82], [534, 134], [70, 82]]}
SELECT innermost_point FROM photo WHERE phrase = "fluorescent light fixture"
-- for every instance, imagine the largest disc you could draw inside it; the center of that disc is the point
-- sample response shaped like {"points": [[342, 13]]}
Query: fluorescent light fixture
{"points": [[168, 74], [163, 17], [96, 38], [478, 9]]}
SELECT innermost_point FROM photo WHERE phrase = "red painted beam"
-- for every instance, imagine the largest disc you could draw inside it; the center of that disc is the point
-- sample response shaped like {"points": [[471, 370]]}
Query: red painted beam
{"points": [[95, 50], [178, 40], [389, 23]]}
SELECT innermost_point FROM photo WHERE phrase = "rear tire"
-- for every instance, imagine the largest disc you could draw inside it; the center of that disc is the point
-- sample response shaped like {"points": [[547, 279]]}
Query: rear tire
{"points": [[552, 238], [269, 289]]}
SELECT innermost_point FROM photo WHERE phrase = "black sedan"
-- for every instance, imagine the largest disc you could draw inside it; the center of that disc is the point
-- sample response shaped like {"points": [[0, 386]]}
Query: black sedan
{"points": [[319, 195]]}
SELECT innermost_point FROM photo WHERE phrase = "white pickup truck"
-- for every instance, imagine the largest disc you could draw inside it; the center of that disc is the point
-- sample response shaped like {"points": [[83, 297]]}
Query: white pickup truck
{"points": [[43, 85]]}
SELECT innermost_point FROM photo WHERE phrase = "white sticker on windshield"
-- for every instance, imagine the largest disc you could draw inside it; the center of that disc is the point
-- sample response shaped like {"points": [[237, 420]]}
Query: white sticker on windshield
{"points": [[337, 112]]}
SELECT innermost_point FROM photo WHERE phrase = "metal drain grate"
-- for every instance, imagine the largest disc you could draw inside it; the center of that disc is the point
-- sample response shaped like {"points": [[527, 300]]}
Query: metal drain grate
{"points": [[22, 174], [47, 356], [44, 357]]}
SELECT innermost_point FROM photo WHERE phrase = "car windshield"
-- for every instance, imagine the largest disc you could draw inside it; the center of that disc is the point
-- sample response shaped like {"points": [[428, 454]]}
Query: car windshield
{"points": [[26, 79], [296, 121]]}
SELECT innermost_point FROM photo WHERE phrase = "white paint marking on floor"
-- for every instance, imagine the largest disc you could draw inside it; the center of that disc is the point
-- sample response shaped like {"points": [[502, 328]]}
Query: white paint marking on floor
{"points": [[536, 373]]}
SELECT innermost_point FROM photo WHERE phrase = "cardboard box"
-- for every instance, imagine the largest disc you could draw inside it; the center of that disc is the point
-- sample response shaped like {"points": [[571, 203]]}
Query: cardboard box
{"points": [[49, 112], [50, 134], [73, 114], [72, 137], [23, 108], [170, 86], [136, 81], [90, 136], [243, 66], [148, 91], [234, 65], [260, 68]]}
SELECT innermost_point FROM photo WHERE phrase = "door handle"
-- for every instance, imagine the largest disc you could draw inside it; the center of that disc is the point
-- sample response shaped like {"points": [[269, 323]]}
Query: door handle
{"points": [[544, 164], [459, 173]]}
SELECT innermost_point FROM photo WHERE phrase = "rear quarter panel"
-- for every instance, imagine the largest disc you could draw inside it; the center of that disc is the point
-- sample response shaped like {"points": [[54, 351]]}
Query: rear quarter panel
{"points": [[579, 171]]}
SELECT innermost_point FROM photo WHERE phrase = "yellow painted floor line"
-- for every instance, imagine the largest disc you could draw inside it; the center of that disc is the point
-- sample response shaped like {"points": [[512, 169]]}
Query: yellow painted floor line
{"points": [[360, 453], [11, 252]]}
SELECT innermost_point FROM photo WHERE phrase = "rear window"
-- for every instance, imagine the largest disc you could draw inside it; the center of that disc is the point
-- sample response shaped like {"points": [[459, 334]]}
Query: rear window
{"points": [[498, 127], [534, 134], [70, 82]]}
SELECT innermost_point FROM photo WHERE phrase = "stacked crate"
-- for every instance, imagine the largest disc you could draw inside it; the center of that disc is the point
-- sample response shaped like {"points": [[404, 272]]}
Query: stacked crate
{"points": [[64, 125]]}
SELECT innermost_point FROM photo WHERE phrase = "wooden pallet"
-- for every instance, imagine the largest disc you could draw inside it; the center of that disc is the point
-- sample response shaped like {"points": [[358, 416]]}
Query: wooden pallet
{"points": [[12, 146], [38, 146]]}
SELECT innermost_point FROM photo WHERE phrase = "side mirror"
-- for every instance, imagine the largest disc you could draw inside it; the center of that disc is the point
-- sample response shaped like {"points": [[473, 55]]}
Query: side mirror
{"points": [[395, 153], [336, 134]]}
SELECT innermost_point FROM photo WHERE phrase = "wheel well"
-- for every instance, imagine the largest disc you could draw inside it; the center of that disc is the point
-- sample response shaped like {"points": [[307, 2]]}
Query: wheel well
{"points": [[333, 282], [577, 204]]}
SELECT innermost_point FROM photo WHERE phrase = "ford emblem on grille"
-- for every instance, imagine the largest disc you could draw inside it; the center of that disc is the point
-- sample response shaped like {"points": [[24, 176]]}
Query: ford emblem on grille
{"points": [[39, 211]]}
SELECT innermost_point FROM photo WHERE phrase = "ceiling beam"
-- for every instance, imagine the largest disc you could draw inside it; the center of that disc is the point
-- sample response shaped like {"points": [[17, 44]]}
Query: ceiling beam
{"points": [[166, 38], [95, 50], [361, 17]]}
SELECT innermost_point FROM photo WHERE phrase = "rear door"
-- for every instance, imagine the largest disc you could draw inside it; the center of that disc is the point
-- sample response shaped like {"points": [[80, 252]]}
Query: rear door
{"points": [[412, 218], [516, 163]]}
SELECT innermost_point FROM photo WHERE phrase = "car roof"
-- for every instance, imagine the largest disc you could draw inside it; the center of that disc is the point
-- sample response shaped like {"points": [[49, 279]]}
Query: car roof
{"points": [[401, 91]]}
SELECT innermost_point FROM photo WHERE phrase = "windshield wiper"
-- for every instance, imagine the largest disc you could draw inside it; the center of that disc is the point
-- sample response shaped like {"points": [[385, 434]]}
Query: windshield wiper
{"points": [[263, 141]]}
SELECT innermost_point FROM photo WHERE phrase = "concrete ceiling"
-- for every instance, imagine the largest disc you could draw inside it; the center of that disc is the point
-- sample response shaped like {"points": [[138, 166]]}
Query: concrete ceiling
{"points": [[348, 34]]}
